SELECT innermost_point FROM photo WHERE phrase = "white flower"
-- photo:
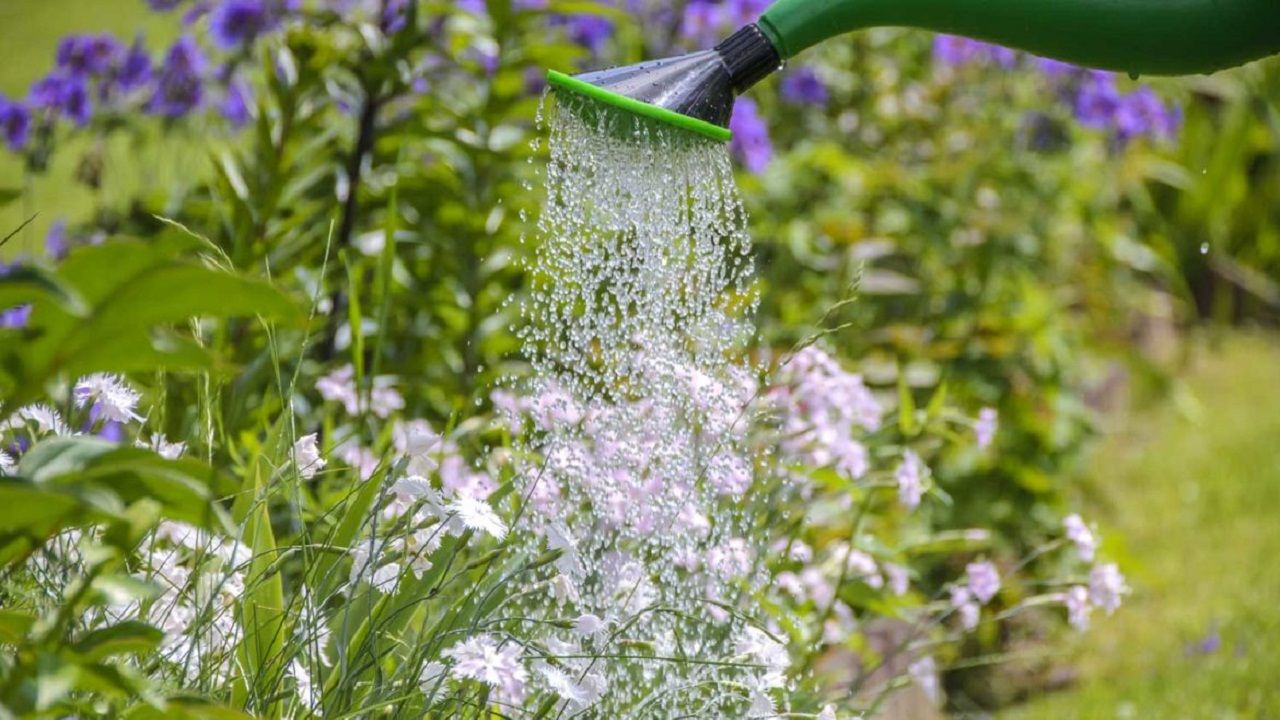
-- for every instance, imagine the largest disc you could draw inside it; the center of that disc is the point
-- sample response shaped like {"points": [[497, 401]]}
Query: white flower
{"points": [[360, 458], [477, 515], [984, 428], [111, 396], [899, 579], [851, 458], [588, 625], [760, 648], [762, 705], [46, 419], [307, 694], [800, 551], [924, 672], [385, 578], [563, 589], [559, 538], [415, 438], [910, 476], [984, 581], [7, 465], [861, 565], [828, 713], [840, 625], [313, 629], [1076, 600], [339, 386], [480, 658], [384, 399], [430, 675], [364, 559], [1106, 587], [1079, 533], [408, 492], [306, 456], [962, 602], [418, 546], [578, 696], [162, 447]]}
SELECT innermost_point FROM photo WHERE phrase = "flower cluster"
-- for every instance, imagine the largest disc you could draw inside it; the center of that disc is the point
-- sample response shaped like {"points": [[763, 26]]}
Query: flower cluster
{"points": [[105, 405], [1093, 95], [822, 408], [1105, 587]]}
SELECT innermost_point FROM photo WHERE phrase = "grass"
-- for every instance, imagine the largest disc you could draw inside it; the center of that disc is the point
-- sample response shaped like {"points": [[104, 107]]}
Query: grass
{"points": [[1194, 492]]}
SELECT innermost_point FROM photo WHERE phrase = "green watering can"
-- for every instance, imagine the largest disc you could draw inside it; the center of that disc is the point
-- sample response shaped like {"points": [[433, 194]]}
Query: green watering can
{"points": [[1157, 37]]}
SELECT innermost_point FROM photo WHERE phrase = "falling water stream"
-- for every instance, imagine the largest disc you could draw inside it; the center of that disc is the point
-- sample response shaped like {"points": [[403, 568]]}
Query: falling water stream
{"points": [[637, 463]]}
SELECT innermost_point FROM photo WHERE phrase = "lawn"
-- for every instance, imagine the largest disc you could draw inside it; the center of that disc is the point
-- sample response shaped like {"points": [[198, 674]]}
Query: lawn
{"points": [[1193, 501]]}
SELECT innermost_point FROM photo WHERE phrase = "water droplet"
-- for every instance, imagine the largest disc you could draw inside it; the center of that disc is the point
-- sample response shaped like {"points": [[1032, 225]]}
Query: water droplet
{"points": [[1204, 248]]}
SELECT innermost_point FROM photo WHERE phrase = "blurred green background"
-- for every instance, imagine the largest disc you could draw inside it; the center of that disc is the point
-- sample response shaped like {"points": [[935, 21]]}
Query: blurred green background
{"points": [[1104, 279]]}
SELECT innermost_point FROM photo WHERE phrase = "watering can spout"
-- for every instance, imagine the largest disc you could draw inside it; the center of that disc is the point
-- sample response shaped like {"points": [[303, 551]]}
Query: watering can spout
{"points": [[694, 91], [1159, 37]]}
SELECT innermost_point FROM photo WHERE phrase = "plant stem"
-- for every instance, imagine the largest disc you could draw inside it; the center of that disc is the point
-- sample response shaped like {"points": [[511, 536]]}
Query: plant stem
{"points": [[365, 136]]}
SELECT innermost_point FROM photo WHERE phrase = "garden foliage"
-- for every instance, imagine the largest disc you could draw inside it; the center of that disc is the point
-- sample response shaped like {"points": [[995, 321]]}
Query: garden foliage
{"points": [[259, 465]]}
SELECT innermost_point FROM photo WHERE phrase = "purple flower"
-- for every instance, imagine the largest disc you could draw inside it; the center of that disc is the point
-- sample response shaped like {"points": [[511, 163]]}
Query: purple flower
{"points": [[63, 95], [910, 477], [179, 85], [235, 104], [984, 581], [742, 12], [395, 16], [954, 50], [164, 5], [535, 80], [803, 87], [195, 12], [17, 317], [111, 431], [750, 136], [135, 70], [92, 55], [590, 31], [55, 241], [235, 23], [702, 22], [1097, 100], [1141, 112], [984, 429], [15, 123], [1055, 68]]}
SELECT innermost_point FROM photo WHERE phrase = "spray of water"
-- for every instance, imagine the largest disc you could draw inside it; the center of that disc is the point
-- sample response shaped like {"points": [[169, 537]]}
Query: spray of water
{"points": [[635, 458]]}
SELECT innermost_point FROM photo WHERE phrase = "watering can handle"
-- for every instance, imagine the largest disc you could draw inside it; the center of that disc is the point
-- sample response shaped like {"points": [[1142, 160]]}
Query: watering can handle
{"points": [[1160, 37]]}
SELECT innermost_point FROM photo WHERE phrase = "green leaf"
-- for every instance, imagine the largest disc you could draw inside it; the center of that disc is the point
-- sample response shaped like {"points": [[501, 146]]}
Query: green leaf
{"points": [[130, 636], [906, 405], [32, 284], [185, 709], [87, 320], [30, 509], [184, 488], [262, 611], [14, 626], [938, 402], [121, 589]]}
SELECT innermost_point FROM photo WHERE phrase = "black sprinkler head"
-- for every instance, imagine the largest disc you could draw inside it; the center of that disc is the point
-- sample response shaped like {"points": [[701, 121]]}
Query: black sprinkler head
{"points": [[693, 91]]}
